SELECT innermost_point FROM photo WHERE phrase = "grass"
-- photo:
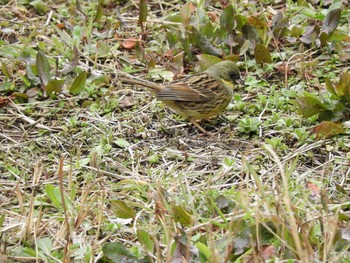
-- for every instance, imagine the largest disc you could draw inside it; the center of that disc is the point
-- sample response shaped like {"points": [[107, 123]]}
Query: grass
{"points": [[140, 184]]}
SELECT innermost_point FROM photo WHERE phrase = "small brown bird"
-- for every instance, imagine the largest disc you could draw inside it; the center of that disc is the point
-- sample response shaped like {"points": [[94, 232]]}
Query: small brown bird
{"points": [[197, 97]]}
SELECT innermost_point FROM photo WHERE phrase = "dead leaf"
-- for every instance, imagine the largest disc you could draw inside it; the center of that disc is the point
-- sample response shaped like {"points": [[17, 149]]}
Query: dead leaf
{"points": [[282, 67], [126, 103], [61, 26], [267, 252], [4, 101], [313, 188], [129, 44], [327, 129], [213, 16]]}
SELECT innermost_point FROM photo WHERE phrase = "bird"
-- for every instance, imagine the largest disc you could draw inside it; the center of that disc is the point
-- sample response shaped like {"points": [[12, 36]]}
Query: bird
{"points": [[199, 96]]}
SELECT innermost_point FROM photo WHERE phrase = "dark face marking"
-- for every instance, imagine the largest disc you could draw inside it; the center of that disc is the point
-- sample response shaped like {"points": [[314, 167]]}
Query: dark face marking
{"points": [[234, 76]]}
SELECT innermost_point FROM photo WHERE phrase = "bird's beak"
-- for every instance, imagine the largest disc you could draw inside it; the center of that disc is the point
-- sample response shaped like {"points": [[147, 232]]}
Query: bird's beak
{"points": [[240, 81]]}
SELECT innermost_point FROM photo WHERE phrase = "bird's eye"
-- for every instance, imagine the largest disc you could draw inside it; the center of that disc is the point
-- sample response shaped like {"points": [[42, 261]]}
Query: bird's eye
{"points": [[234, 76]]}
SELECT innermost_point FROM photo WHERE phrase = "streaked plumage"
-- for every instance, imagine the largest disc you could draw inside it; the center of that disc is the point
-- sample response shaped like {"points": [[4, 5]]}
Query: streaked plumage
{"points": [[200, 96]]}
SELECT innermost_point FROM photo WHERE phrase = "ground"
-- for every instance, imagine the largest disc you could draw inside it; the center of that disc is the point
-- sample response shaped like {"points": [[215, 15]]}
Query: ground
{"points": [[142, 184]]}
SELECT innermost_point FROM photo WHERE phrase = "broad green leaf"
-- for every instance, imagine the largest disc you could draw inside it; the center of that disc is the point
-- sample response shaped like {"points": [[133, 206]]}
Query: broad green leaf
{"points": [[309, 106], [204, 250], [203, 43], [343, 87], [338, 36], [9, 50], [102, 48], [54, 85], [244, 48], [116, 252], [82, 162], [154, 158], [5, 70], [29, 251], [2, 219], [145, 239], [122, 143], [310, 34], [279, 24], [250, 33], [330, 88], [22, 97], [64, 36], [39, 6], [77, 33], [323, 39], [143, 12], [99, 13], [139, 50], [331, 115], [228, 162], [185, 13], [121, 209], [172, 38], [331, 21], [43, 67], [296, 31], [182, 216], [227, 19], [45, 245], [161, 74], [257, 22], [54, 195], [262, 54], [78, 84]]}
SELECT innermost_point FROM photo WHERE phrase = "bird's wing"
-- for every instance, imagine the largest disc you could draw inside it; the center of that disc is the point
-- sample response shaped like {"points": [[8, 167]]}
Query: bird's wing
{"points": [[198, 87]]}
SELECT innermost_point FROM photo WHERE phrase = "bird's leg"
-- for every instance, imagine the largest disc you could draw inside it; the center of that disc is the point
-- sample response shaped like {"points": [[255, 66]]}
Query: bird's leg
{"points": [[193, 121]]}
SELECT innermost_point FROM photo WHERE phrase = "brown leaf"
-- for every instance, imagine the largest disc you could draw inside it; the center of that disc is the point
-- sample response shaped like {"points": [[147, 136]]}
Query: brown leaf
{"points": [[129, 44], [61, 26], [126, 103], [282, 67], [327, 129], [313, 188], [4, 101], [213, 16], [267, 252], [160, 210], [256, 22]]}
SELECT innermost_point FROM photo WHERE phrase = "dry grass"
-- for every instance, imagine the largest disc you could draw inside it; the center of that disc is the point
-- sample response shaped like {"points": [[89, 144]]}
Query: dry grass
{"points": [[222, 198]]}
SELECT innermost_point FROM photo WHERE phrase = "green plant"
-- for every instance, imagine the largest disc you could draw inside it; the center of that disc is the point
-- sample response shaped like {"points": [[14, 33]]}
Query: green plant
{"points": [[249, 125]]}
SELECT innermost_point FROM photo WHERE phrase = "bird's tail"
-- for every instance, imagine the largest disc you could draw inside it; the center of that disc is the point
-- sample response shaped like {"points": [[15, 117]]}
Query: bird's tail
{"points": [[141, 82]]}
